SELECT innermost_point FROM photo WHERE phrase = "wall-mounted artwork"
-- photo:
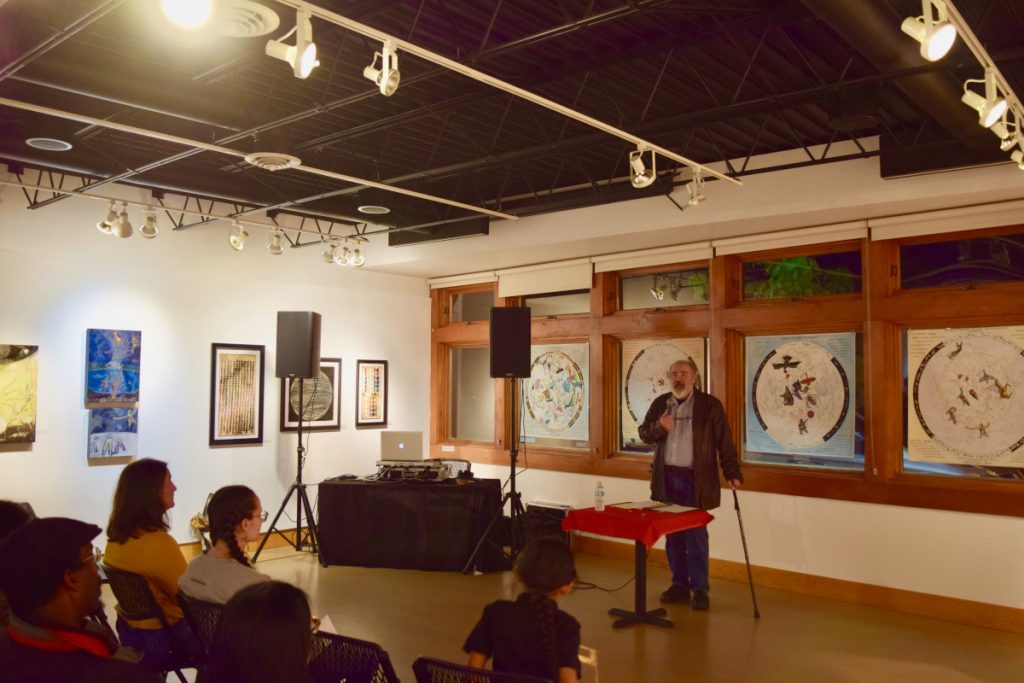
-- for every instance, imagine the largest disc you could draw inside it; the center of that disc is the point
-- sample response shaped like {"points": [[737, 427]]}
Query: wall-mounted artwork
{"points": [[236, 394], [321, 400], [966, 396], [556, 397], [371, 393], [113, 433], [19, 369], [113, 358]]}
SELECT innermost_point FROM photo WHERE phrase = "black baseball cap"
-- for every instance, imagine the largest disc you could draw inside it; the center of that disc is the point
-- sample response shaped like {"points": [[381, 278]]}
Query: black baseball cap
{"points": [[34, 558]]}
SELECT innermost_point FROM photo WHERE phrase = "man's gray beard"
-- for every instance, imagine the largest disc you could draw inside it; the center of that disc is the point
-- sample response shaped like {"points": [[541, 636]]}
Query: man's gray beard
{"points": [[681, 394]]}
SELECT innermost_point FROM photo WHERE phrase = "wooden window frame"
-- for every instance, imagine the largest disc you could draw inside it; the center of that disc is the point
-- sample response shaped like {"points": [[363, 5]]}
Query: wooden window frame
{"points": [[880, 312]]}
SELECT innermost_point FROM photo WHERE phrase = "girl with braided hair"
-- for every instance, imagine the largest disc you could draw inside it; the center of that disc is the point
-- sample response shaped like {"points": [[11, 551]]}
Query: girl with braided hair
{"points": [[531, 635], [235, 515]]}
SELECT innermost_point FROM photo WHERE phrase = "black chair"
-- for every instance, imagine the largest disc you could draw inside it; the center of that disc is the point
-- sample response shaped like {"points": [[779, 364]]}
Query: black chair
{"points": [[337, 658], [137, 603], [430, 670], [202, 617]]}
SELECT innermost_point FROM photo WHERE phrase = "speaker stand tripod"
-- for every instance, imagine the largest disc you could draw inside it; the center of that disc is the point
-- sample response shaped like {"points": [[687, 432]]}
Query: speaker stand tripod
{"points": [[300, 542], [513, 498]]}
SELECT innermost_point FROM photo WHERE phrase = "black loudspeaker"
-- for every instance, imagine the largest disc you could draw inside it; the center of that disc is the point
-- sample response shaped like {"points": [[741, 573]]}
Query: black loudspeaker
{"points": [[298, 344], [510, 342]]}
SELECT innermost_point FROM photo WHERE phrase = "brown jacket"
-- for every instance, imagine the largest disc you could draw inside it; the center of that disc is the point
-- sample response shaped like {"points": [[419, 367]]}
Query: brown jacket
{"points": [[711, 437]]}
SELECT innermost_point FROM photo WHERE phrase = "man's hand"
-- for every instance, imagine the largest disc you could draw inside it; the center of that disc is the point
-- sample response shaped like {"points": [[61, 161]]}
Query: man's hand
{"points": [[666, 421], [734, 483]]}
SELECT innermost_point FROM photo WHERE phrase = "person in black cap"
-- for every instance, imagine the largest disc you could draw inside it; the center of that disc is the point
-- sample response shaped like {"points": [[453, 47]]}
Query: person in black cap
{"points": [[48, 572]]}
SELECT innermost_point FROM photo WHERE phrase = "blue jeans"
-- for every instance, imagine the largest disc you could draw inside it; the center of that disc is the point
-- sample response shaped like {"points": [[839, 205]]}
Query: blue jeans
{"points": [[155, 646], [687, 550]]}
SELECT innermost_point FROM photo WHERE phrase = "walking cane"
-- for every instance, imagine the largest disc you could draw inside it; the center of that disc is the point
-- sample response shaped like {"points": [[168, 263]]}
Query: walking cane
{"points": [[746, 555]]}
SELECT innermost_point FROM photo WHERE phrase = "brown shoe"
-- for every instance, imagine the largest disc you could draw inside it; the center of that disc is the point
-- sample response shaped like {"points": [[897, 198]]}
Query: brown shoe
{"points": [[676, 594], [700, 601]]}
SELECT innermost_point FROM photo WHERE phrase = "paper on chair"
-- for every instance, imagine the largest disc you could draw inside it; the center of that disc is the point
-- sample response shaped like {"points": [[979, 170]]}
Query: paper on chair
{"points": [[326, 625]]}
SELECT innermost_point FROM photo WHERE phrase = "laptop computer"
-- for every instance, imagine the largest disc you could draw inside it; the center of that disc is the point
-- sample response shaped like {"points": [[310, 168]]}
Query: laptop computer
{"points": [[402, 446]]}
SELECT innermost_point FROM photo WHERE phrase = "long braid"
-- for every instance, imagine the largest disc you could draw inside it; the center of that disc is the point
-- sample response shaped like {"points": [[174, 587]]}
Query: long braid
{"points": [[546, 610], [546, 565], [228, 508]]}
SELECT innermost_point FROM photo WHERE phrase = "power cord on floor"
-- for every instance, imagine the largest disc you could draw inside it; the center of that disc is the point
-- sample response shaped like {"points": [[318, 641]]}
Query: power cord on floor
{"points": [[587, 586]]}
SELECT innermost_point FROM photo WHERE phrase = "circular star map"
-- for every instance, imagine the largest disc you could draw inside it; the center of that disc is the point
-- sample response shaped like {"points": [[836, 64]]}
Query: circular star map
{"points": [[554, 395]]}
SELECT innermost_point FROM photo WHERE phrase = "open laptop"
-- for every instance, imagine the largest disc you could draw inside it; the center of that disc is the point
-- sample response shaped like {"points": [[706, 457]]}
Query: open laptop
{"points": [[401, 446]]}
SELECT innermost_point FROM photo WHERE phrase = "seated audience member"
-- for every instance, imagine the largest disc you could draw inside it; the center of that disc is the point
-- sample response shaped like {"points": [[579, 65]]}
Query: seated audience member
{"points": [[12, 516], [48, 571], [263, 636], [531, 635], [137, 541], [235, 516]]}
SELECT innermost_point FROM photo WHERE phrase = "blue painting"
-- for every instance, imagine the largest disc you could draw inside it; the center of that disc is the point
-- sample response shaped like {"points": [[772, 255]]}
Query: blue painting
{"points": [[113, 432], [113, 358]]}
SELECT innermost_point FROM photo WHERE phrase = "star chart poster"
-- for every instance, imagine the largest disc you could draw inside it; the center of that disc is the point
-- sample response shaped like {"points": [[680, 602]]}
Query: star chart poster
{"points": [[800, 396], [645, 364], [965, 399], [556, 395]]}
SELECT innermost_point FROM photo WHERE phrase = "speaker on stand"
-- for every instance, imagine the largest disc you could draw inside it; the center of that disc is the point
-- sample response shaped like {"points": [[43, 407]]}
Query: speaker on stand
{"points": [[510, 359], [298, 357]]}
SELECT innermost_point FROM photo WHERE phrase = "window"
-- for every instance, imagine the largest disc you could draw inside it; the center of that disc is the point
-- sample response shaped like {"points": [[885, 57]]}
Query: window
{"points": [[471, 395], [471, 306], [560, 303], [964, 262], [798, 277], [661, 290]]}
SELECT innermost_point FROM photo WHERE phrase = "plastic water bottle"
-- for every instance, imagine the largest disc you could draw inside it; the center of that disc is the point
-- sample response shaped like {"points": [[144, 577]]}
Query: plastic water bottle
{"points": [[599, 497]]}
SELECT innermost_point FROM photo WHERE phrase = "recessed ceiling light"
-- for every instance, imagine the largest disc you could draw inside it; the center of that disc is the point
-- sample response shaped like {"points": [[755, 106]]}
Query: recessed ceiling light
{"points": [[244, 19], [49, 144], [374, 210]]}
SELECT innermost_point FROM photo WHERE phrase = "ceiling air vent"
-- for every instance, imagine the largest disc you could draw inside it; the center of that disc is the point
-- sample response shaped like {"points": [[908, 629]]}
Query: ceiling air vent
{"points": [[272, 161], [245, 19]]}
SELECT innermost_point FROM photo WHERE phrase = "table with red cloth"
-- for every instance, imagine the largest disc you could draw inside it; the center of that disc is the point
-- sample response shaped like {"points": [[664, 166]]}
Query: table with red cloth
{"points": [[644, 527]]}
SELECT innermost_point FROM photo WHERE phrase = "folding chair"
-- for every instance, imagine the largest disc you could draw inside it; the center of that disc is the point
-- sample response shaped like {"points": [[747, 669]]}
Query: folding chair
{"points": [[430, 670], [337, 658], [202, 617], [137, 602]]}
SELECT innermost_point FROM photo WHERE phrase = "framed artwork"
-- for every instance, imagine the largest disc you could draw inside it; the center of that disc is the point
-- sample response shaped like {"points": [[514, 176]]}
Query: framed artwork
{"points": [[555, 398], [371, 393], [236, 394], [19, 369], [113, 434], [320, 402], [112, 360]]}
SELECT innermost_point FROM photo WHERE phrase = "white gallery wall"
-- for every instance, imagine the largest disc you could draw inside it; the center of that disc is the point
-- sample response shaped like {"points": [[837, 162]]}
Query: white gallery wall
{"points": [[185, 290]]}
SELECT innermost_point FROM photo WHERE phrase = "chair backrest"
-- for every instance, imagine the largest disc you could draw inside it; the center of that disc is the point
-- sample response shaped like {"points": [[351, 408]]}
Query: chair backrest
{"points": [[202, 616], [337, 658], [430, 670], [133, 595]]}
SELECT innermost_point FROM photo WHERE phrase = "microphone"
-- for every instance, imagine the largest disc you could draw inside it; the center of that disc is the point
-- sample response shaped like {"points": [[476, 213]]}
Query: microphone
{"points": [[671, 403]]}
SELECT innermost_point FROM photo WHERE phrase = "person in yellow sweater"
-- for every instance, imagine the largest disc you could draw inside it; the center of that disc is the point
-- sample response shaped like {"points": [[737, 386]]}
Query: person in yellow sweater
{"points": [[137, 541]]}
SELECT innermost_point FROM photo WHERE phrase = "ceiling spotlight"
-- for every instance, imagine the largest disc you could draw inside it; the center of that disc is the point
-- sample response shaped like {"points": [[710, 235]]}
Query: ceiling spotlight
{"points": [[991, 107], [150, 229], [238, 236], [343, 257], [386, 76], [639, 175], [932, 29], [329, 251], [122, 226], [1018, 158], [696, 189], [357, 258], [1011, 142], [302, 55], [106, 226], [274, 242], [187, 13]]}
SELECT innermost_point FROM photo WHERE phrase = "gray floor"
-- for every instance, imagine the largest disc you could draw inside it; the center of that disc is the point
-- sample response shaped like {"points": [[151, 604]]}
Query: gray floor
{"points": [[798, 638]]}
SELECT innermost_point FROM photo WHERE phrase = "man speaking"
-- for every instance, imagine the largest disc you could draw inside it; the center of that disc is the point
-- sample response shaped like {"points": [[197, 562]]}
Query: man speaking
{"points": [[689, 429]]}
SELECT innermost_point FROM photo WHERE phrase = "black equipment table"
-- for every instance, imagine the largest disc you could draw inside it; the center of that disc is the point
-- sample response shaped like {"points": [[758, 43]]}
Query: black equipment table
{"points": [[409, 524]]}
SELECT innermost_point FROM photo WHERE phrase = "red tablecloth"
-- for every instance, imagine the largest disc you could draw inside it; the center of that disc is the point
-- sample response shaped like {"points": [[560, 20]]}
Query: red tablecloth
{"points": [[646, 526]]}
